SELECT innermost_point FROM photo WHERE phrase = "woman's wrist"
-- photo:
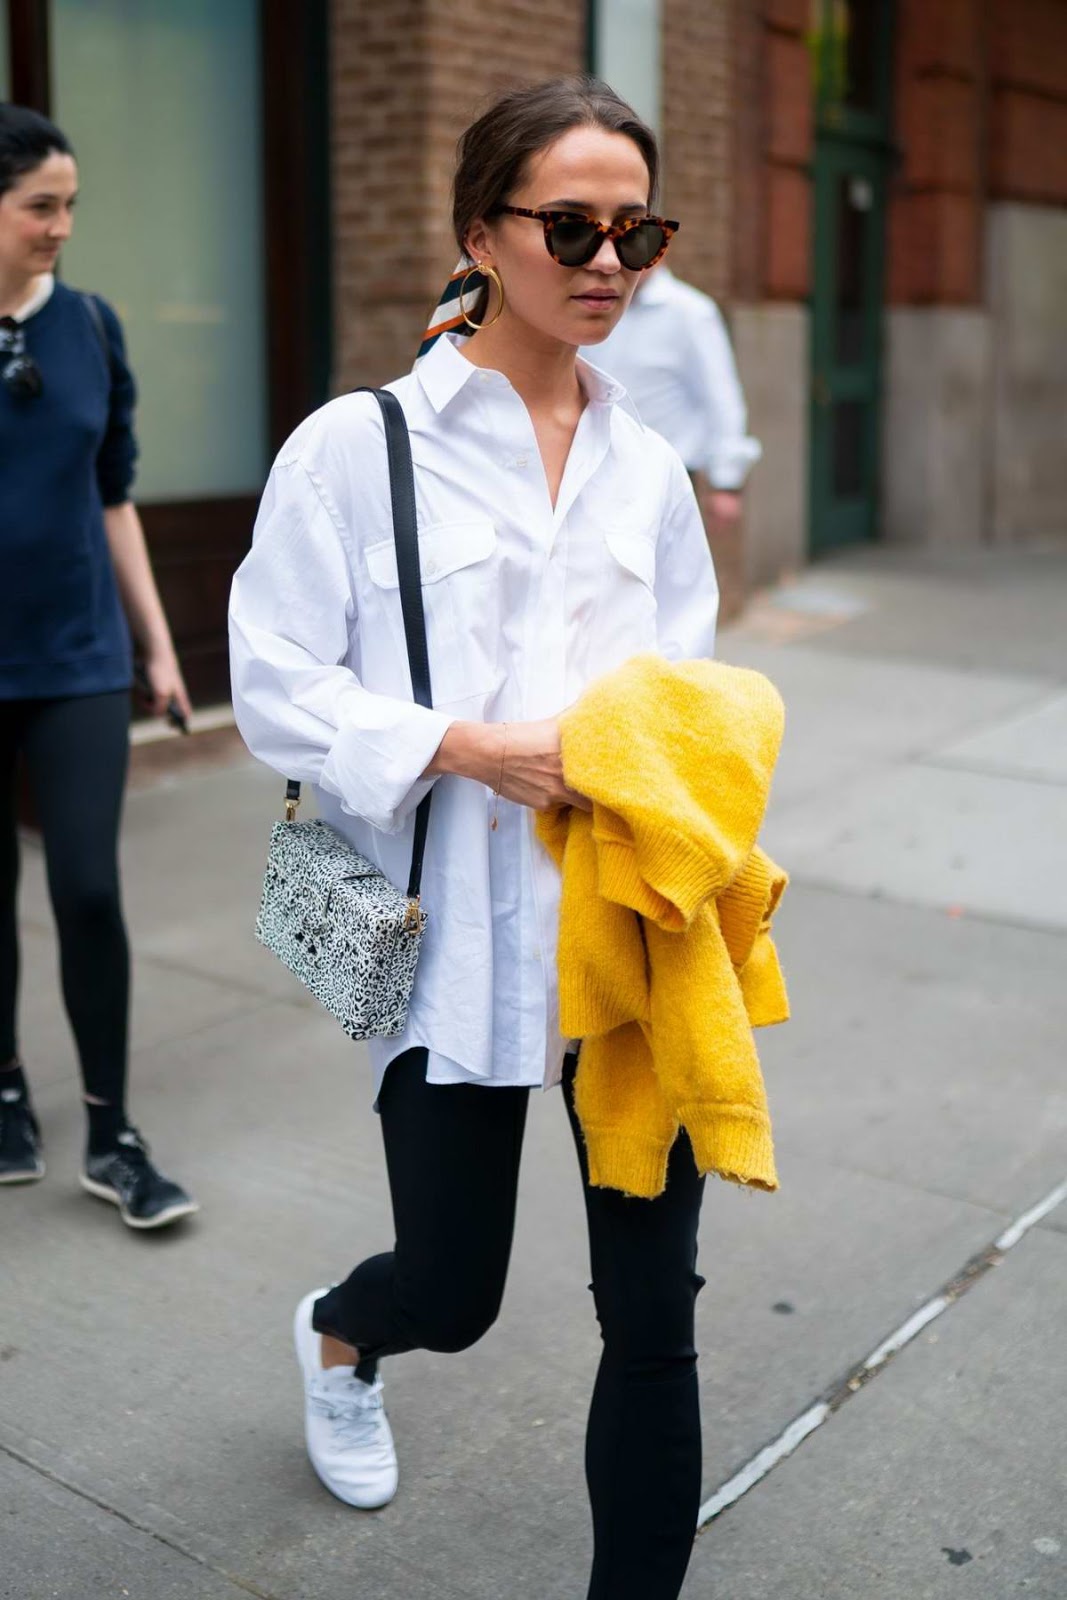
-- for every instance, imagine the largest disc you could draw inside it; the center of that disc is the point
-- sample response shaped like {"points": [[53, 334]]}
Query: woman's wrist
{"points": [[160, 649], [469, 750]]}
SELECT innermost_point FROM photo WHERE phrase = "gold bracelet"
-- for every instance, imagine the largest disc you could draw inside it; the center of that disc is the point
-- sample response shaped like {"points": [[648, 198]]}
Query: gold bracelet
{"points": [[500, 779]]}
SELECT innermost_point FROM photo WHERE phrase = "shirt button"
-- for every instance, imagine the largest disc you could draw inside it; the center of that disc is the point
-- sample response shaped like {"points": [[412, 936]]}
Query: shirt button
{"points": [[521, 461], [431, 569]]}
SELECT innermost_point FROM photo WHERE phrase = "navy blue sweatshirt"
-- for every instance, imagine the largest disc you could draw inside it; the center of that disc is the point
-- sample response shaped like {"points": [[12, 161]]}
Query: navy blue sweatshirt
{"points": [[64, 456]]}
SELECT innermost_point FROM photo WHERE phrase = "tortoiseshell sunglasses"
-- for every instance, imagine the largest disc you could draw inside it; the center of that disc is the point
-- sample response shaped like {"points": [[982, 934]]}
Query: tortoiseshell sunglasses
{"points": [[573, 240]]}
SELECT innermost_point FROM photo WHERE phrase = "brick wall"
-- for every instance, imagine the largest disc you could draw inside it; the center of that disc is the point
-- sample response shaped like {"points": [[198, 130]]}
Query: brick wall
{"points": [[773, 150], [938, 193], [699, 102], [407, 78], [1028, 73]]}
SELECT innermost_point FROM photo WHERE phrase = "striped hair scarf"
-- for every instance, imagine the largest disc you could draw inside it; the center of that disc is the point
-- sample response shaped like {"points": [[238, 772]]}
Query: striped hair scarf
{"points": [[448, 317]]}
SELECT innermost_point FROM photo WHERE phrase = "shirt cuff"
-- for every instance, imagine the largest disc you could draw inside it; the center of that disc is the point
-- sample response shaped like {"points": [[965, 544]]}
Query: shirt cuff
{"points": [[729, 464], [376, 773]]}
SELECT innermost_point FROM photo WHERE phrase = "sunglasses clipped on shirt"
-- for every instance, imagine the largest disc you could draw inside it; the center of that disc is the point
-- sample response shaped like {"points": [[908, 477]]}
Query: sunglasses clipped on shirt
{"points": [[573, 240], [19, 372]]}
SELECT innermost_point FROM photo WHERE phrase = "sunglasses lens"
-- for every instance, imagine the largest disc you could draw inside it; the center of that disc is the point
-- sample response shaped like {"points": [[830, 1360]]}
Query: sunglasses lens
{"points": [[574, 241], [641, 245]]}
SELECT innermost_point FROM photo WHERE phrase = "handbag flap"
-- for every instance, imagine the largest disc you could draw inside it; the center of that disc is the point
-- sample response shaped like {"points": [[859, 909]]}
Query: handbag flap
{"points": [[311, 861]]}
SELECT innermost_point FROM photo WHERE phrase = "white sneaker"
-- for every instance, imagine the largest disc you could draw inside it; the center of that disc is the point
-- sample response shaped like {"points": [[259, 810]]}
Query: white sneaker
{"points": [[348, 1436]]}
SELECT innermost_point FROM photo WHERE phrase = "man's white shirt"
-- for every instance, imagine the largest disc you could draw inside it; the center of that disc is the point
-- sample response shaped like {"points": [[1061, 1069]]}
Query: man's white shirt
{"points": [[525, 604], [672, 353]]}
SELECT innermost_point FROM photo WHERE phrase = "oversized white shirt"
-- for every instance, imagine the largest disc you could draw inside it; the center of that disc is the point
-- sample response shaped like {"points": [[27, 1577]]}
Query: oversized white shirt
{"points": [[524, 603], [672, 353]]}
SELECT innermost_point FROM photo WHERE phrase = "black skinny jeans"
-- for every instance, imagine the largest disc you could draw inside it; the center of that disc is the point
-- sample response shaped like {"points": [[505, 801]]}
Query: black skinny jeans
{"points": [[452, 1152], [76, 752]]}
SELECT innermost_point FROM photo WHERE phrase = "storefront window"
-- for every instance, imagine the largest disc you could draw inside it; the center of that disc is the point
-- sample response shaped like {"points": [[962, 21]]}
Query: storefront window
{"points": [[161, 100], [626, 38]]}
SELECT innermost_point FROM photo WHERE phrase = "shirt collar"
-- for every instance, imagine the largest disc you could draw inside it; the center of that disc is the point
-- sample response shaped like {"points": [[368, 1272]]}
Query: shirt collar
{"points": [[445, 370], [39, 298]]}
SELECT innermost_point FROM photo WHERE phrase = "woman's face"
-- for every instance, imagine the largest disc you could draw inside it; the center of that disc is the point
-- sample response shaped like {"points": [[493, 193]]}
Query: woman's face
{"points": [[37, 217], [587, 170]]}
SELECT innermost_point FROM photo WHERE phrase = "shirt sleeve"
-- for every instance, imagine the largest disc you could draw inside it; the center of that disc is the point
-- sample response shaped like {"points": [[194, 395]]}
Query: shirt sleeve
{"points": [[117, 456], [687, 591], [731, 450], [298, 707]]}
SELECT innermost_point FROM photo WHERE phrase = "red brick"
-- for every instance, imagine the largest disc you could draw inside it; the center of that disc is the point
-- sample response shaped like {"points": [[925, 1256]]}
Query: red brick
{"points": [[939, 130], [1028, 155], [699, 100], [1029, 45], [790, 93], [793, 16], [941, 36], [934, 250], [788, 268]]}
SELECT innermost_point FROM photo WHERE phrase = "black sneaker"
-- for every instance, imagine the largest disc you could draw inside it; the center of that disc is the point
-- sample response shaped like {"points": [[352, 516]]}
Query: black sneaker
{"points": [[126, 1177], [20, 1140]]}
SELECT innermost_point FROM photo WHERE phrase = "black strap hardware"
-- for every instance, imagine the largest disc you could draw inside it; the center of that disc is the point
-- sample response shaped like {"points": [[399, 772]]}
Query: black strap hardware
{"points": [[406, 539]]}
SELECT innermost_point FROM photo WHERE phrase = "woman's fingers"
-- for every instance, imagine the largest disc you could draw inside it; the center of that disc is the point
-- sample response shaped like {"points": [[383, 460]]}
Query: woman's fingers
{"points": [[578, 801]]}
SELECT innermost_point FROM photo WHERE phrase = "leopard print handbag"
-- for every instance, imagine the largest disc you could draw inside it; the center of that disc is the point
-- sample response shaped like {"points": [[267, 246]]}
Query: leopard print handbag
{"points": [[330, 915]]}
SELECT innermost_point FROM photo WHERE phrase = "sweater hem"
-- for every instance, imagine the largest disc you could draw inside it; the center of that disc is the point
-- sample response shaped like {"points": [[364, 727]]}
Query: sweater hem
{"points": [[637, 1167], [60, 679]]}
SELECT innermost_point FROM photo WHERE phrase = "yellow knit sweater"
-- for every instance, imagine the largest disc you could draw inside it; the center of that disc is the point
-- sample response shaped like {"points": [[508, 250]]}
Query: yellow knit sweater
{"points": [[677, 759]]}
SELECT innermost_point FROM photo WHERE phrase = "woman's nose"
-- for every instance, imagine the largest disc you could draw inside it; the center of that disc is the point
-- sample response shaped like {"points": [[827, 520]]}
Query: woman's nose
{"points": [[606, 258]]}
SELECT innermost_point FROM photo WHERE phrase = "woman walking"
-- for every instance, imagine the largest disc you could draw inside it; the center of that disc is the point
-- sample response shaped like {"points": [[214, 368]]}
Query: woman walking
{"points": [[557, 540], [73, 555]]}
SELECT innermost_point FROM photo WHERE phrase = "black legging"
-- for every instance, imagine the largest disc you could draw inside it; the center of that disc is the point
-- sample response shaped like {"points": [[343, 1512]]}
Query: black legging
{"points": [[452, 1152], [76, 753]]}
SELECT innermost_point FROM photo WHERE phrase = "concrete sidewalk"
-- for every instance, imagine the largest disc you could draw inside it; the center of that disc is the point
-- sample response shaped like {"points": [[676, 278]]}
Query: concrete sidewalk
{"points": [[149, 1406]]}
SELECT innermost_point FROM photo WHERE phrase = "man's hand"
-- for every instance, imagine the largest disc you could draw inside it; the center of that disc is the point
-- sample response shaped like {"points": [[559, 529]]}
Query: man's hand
{"points": [[725, 504]]}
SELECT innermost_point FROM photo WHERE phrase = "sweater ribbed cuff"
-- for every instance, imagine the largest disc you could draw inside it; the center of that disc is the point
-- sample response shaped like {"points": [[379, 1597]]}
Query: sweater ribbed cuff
{"points": [[637, 881], [732, 1142], [623, 1161]]}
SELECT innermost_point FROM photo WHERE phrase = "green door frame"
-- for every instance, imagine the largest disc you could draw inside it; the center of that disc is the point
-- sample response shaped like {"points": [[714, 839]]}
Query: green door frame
{"points": [[853, 156]]}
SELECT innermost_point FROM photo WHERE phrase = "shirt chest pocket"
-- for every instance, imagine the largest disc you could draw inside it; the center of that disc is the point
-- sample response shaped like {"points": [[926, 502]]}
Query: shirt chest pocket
{"points": [[459, 599], [635, 553]]}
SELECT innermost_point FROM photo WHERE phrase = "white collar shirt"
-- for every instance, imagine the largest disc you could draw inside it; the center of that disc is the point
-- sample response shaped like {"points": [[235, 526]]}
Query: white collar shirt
{"points": [[525, 603], [40, 297], [672, 353]]}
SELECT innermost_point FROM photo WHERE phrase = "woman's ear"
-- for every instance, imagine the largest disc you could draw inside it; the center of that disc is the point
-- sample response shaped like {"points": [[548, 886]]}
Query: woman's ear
{"points": [[477, 243]]}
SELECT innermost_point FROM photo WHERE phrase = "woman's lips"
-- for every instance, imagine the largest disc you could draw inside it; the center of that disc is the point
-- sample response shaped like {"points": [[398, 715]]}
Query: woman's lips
{"points": [[597, 302]]}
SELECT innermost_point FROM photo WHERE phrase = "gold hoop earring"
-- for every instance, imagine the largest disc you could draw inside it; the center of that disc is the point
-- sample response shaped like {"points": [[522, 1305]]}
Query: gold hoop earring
{"points": [[486, 272]]}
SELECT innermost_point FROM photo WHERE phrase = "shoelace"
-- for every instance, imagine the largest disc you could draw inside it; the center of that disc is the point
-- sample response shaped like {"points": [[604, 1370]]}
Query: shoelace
{"points": [[130, 1160], [354, 1417]]}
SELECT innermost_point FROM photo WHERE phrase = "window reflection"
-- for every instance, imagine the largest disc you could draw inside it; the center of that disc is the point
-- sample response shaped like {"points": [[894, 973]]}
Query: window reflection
{"points": [[161, 100]]}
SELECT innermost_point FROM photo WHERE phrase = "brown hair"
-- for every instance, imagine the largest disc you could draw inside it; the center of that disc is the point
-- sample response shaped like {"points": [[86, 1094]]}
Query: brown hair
{"points": [[494, 150]]}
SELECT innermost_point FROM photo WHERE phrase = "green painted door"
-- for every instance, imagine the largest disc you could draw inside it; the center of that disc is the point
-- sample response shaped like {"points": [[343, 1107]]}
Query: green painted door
{"points": [[852, 156]]}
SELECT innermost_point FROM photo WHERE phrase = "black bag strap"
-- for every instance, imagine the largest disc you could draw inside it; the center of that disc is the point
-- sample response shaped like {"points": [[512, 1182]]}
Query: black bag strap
{"points": [[89, 301], [406, 540]]}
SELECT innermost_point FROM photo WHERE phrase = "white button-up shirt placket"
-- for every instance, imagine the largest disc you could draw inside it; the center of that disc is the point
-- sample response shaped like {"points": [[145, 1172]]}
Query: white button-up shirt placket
{"points": [[525, 604]]}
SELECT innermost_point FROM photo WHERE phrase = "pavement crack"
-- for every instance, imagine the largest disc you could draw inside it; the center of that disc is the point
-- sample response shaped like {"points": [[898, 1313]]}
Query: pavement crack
{"points": [[842, 1389], [245, 1585]]}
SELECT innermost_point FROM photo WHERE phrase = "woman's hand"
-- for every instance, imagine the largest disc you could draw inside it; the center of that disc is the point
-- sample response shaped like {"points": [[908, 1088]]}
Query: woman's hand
{"points": [[166, 684], [519, 760]]}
